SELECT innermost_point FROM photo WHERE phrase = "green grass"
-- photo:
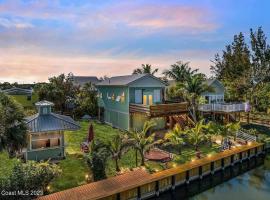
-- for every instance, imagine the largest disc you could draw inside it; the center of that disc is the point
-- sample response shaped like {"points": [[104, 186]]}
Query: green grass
{"points": [[6, 164], [22, 99], [188, 153], [74, 169]]}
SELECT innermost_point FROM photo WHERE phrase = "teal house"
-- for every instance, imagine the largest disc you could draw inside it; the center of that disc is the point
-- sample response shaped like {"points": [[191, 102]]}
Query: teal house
{"points": [[126, 102], [216, 94], [46, 133]]}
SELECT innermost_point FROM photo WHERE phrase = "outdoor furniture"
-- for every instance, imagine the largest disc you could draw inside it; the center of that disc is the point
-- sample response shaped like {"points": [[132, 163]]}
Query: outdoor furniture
{"points": [[85, 147]]}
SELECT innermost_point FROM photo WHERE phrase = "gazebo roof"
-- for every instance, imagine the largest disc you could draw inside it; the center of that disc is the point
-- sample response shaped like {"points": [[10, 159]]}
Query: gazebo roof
{"points": [[50, 122]]}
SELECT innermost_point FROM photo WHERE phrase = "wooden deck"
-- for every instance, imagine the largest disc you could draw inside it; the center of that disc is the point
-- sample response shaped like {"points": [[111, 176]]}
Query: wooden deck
{"points": [[131, 184], [159, 110], [102, 188]]}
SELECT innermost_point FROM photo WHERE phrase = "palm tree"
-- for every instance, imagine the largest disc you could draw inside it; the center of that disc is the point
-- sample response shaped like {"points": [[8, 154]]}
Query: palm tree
{"points": [[192, 88], [224, 130], [232, 129], [97, 159], [175, 137], [179, 71], [195, 136], [143, 141], [117, 147], [145, 69]]}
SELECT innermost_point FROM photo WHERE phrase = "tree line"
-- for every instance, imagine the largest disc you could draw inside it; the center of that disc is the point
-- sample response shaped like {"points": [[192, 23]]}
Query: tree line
{"points": [[244, 69]]}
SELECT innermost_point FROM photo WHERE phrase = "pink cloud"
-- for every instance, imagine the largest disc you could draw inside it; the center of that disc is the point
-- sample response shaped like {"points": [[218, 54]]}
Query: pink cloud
{"points": [[35, 66], [163, 16]]}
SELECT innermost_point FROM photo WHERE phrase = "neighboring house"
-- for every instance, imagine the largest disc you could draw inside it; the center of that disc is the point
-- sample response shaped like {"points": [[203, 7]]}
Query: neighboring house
{"points": [[217, 108], [46, 133], [19, 91], [82, 80], [126, 102], [216, 93]]}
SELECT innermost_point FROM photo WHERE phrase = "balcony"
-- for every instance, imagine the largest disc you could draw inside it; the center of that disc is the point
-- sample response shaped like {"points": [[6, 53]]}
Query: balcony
{"points": [[159, 110], [223, 107]]}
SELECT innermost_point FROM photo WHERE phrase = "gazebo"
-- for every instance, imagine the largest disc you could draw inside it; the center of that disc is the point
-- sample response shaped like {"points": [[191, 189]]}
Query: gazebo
{"points": [[46, 133]]}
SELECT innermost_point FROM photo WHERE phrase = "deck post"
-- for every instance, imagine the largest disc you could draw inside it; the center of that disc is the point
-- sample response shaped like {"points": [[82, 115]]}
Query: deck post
{"points": [[200, 172], [232, 160], [249, 154], [170, 122], [118, 196], [248, 120], [256, 152], [241, 157], [157, 188], [173, 182], [222, 164], [212, 168], [139, 193], [187, 177]]}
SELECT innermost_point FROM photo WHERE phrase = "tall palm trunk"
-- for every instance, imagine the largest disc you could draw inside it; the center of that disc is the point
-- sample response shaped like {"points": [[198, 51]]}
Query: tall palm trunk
{"points": [[193, 104], [142, 158], [117, 165]]}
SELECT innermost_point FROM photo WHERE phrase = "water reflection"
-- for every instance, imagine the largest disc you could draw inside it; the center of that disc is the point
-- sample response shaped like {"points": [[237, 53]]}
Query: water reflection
{"points": [[234, 183]]}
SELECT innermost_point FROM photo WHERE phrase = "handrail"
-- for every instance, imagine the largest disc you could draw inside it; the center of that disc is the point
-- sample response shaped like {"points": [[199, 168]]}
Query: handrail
{"points": [[222, 107]]}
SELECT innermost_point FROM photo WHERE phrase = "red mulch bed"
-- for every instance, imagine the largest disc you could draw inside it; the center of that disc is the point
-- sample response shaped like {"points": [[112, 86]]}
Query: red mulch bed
{"points": [[158, 155]]}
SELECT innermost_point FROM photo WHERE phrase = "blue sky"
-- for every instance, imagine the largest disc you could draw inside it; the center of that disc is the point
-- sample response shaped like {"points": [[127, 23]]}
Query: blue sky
{"points": [[39, 39]]}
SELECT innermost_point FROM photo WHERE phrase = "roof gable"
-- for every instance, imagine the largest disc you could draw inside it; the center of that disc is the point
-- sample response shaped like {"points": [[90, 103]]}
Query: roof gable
{"points": [[129, 80], [216, 85]]}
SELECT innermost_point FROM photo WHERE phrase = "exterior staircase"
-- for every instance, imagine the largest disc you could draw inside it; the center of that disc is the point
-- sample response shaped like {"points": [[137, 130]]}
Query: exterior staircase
{"points": [[183, 120], [240, 135]]}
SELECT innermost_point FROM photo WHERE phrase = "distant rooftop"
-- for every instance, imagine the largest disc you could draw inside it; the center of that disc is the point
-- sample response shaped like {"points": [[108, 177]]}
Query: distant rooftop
{"points": [[16, 90], [123, 80], [81, 80]]}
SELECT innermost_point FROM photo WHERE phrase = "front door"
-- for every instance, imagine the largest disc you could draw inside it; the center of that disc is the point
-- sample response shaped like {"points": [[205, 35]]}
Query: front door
{"points": [[147, 99]]}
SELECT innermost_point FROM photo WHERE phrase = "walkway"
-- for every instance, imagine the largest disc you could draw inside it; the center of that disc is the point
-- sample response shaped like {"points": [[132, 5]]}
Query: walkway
{"points": [[138, 178]]}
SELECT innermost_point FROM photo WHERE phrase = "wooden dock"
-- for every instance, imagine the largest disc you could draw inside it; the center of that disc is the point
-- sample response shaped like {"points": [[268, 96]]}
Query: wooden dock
{"points": [[139, 184]]}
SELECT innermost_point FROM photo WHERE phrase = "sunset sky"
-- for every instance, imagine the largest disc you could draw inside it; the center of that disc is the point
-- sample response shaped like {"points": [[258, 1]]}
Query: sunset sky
{"points": [[40, 39]]}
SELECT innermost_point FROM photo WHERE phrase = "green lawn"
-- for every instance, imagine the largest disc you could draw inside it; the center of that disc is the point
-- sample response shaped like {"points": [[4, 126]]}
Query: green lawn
{"points": [[73, 173], [22, 99], [74, 167]]}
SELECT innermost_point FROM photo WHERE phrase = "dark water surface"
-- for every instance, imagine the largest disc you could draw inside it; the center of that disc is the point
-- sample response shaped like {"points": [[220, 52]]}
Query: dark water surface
{"points": [[248, 181]]}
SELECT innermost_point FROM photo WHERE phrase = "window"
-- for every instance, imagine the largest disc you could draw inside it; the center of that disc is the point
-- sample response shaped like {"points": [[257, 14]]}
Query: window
{"points": [[157, 96], [138, 96], [45, 143]]}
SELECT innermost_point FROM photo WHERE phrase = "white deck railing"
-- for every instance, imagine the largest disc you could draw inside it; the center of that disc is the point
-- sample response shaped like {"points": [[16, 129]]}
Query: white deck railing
{"points": [[222, 107]]}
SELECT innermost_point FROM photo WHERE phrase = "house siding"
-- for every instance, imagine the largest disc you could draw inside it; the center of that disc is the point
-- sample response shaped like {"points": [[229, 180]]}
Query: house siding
{"points": [[116, 113], [137, 122], [146, 90]]}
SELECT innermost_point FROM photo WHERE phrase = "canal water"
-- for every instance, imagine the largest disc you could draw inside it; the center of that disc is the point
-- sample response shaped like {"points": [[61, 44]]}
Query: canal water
{"points": [[248, 181]]}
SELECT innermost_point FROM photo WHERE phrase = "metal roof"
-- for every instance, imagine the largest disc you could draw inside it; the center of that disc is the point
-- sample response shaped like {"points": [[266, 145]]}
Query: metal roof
{"points": [[50, 122], [124, 80], [15, 90], [44, 103]]}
